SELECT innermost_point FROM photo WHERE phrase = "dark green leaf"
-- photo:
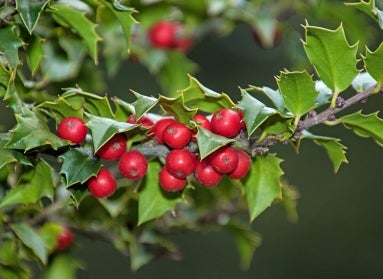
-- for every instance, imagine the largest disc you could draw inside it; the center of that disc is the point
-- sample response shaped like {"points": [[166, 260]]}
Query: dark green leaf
{"points": [[103, 129], [370, 125], [12, 156], [35, 54], [32, 131], [208, 142], [275, 97], [298, 92], [198, 96], [30, 12], [31, 239], [78, 167], [263, 184], [373, 63], [153, 202], [254, 112], [9, 45], [83, 26], [143, 104], [139, 255], [63, 266], [176, 108], [4, 80], [334, 59]]}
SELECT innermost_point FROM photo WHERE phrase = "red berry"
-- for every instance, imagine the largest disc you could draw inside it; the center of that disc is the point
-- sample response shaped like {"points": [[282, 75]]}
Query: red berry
{"points": [[161, 34], [133, 165], [203, 121], [180, 162], [224, 160], [64, 239], [103, 185], [113, 148], [226, 122], [169, 182], [176, 135], [206, 175], [159, 128], [72, 128], [243, 167], [144, 120]]}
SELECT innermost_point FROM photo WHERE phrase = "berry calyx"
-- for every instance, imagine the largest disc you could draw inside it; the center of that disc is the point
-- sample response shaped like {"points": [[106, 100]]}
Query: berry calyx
{"points": [[72, 128], [64, 239], [226, 122], [180, 162], [169, 182], [113, 148], [224, 160], [133, 165], [206, 175], [159, 128], [176, 135], [243, 166], [103, 184]]}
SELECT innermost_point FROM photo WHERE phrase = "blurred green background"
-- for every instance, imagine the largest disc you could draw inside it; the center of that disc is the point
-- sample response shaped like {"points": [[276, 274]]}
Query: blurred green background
{"points": [[339, 233]]}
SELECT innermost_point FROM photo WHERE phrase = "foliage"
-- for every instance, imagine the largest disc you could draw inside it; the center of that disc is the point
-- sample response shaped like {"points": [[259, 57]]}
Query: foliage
{"points": [[47, 45]]}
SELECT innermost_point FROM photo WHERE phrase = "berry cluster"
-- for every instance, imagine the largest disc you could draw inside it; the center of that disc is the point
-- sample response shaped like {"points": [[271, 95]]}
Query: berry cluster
{"points": [[180, 161]]}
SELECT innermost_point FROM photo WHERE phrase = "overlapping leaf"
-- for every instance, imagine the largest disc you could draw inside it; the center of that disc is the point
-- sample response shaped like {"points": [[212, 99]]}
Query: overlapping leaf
{"points": [[208, 142], [373, 63], [9, 45], [369, 7], [176, 107], [143, 104], [30, 12]]}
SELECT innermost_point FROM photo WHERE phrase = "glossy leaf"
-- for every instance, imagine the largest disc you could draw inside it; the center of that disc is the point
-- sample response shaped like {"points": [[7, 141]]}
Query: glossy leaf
{"points": [[99, 106], [263, 184], [205, 99], [62, 108], [254, 112], [176, 108], [30, 12], [275, 97], [334, 59], [9, 45], [208, 142], [83, 26], [34, 184], [298, 92], [103, 129], [63, 266], [152, 201], [31, 239], [32, 131], [373, 63], [35, 54], [78, 167], [143, 104], [335, 150], [12, 156], [370, 125]]}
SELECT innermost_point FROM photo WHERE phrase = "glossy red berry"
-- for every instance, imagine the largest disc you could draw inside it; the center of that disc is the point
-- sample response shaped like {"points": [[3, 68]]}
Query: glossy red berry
{"points": [[159, 128], [206, 175], [103, 184], [64, 239], [202, 120], [113, 148], [144, 121], [180, 162], [72, 128], [176, 135], [224, 160], [226, 122], [133, 165], [168, 35], [169, 182], [243, 167]]}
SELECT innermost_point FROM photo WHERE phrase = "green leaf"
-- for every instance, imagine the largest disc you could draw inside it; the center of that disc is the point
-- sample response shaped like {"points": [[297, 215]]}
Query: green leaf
{"points": [[275, 97], [246, 240], [99, 106], [263, 185], [209, 142], [35, 54], [8, 257], [5, 77], [63, 266], [38, 182], [373, 63], [369, 125], [177, 108], [254, 112], [83, 26], [123, 16], [335, 150], [103, 129], [290, 196], [298, 92], [30, 12], [9, 45], [48, 233], [324, 93], [334, 59], [198, 96], [139, 255], [12, 156], [31, 239], [11, 273], [62, 108], [143, 104], [78, 167], [152, 201], [370, 9], [32, 131]]}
